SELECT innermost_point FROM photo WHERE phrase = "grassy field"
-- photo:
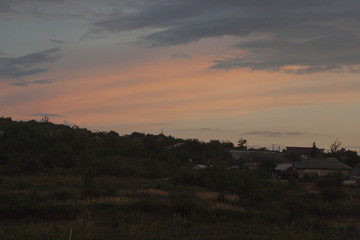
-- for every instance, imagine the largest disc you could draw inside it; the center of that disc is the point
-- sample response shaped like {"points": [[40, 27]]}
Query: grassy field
{"points": [[55, 206]]}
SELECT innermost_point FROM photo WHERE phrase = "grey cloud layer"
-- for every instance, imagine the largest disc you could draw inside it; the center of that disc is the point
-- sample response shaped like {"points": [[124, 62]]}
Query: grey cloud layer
{"points": [[27, 83], [273, 134], [44, 115], [5, 7], [28, 64], [319, 35]]}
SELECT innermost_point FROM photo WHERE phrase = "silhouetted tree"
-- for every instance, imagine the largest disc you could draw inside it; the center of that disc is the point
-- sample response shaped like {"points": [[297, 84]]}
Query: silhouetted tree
{"points": [[335, 146], [242, 144], [45, 119]]}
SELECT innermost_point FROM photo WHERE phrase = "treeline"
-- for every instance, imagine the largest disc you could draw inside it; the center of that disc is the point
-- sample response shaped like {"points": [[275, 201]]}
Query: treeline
{"points": [[30, 147]]}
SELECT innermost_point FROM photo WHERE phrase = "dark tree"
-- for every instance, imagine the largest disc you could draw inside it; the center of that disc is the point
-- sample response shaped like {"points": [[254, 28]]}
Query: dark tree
{"points": [[242, 144]]}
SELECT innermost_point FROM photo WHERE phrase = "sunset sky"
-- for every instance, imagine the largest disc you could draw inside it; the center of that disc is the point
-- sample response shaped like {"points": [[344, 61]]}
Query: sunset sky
{"points": [[272, 72]]}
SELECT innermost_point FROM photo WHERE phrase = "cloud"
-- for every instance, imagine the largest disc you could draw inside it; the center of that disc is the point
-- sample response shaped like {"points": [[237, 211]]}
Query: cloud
{"points": [[54, 10], [272, 133], [152, 125], [358, 146], [5, 7], [181, 55], [315, 35], [208, 129], [56, 41], [294, 133], [20, 84], [44, 115], [324, 52], [322, 86], [27, 65], [27, 83], [43, 81], [263, 133], [11, 6]]}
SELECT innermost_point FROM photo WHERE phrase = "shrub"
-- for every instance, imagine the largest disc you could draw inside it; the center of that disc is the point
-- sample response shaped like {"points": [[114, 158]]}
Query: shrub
{"points": [[60, 195], [332, 180], [310, 177], [184, 176], [331, 194], [185, 202], [152, 205], [221, 197]]}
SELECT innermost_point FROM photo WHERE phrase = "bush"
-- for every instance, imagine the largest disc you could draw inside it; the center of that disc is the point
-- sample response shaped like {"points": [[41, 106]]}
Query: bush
{"points": [[151, 205], [60, 195], [184, 176], [310, 177], [186, 203], [332, 180], [331, 194], [221, 197], [332, 187]]}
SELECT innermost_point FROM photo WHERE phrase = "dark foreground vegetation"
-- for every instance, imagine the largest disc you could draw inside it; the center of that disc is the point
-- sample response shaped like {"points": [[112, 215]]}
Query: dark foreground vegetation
{"points": [[59, 182]]}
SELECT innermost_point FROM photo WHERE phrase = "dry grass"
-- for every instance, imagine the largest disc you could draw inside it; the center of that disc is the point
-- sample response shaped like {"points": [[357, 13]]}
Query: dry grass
{"points": [[153, 191], [231, 197], [117, 200], [213, 196], [207, 195], [227, 206]]}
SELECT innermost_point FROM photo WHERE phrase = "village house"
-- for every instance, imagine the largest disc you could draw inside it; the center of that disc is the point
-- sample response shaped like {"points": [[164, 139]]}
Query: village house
{"points": [[252, 160], [320, 167], [355, 173], [282, 171], [304, 152]]}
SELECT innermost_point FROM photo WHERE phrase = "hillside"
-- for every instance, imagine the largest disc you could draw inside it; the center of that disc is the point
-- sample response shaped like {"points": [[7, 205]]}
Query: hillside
{"points": [[29, 147], [61, 182]]}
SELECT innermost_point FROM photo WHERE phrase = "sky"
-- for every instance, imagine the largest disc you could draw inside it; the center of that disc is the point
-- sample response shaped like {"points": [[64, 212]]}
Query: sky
{"points": [[273, 72]]}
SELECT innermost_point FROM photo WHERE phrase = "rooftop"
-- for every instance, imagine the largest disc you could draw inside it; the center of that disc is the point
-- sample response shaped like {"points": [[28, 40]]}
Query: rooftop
{"points": [[321, 163]]}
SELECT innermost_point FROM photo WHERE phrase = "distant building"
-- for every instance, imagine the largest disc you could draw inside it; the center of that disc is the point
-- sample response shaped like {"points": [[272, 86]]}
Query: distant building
{"points": [[282, 171], [202, 166], [355, 173], [304, 152], [320, 167], [177, 145], [283, 166], [254, 159]]}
